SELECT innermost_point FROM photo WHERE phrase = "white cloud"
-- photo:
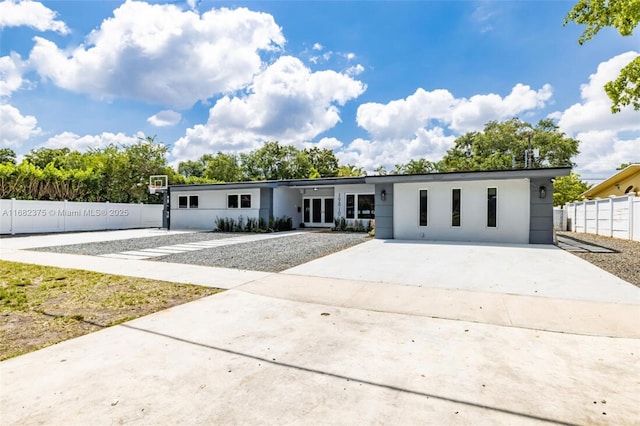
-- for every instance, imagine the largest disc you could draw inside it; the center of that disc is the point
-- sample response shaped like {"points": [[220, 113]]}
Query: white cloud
{"points": [[163, 55], [425, 124], [317, 46], [355, 70], [32, 14], [16, 128], [607, 139], [287, 103], [82, 143], [10, 74], [165, 118], [325, 143]]}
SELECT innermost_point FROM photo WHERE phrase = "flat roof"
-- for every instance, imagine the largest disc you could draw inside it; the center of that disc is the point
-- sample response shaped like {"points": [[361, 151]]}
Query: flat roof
{"points": [[550, 172]]}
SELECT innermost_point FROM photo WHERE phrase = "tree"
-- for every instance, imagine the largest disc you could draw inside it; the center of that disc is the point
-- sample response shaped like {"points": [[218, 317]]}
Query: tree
{"points": [[510, 144], [323, 161], [350, 171], [624, 15], [625, 165], [43, 156], [567, 189], [415, 167], [222, 167], [7, 156], [191, 168]]}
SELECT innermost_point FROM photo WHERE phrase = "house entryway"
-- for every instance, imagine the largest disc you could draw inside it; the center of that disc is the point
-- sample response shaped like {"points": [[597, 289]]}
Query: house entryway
{"points": [[317, 211]]}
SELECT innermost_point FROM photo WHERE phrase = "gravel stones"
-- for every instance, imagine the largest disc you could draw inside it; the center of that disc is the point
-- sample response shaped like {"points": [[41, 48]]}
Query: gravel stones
{"points": [[272, 255], [624, 262], [117, 246]]}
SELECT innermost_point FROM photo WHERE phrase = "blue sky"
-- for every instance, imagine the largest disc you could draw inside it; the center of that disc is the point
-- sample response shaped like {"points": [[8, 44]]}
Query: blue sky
{"points": [[379, 82]]}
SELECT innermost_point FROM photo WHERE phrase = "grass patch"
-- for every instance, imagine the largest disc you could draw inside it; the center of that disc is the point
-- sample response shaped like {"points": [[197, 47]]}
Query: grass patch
{"points": [[43, 305]]}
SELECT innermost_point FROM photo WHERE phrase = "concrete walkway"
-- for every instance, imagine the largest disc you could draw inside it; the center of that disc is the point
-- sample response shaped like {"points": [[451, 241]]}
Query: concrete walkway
{"points": [[344, 340]]}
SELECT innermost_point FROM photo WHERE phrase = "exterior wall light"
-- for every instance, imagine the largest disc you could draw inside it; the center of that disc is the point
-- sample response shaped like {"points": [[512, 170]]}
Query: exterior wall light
{"points": [[383, 195], [543, 192]]}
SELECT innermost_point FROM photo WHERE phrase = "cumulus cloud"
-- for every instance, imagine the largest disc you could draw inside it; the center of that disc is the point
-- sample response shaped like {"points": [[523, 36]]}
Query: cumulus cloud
{"points": [[165, 118], [10, 74], [425, 124], [82, 143], [607, 139], [32, 14], [163, 55], [16, 128], [287, 103]]}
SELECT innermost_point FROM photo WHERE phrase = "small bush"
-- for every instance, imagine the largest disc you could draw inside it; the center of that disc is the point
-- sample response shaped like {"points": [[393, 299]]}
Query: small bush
{"points": [[283, 223]]}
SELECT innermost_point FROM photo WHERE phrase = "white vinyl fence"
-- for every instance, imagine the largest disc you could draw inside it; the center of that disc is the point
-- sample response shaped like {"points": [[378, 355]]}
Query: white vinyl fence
{"points": [[617, 217], [32, 217]]}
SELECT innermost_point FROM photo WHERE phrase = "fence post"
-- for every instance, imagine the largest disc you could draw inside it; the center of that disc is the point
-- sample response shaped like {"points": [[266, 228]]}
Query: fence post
{"points": [[11, 211], [630, 216], [106, 216], [611, 215]]}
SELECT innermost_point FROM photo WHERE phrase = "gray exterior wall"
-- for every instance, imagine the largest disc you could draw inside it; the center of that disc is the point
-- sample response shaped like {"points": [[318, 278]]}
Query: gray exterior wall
{"points": [[384, 211], [266, 204], [540, 212]]}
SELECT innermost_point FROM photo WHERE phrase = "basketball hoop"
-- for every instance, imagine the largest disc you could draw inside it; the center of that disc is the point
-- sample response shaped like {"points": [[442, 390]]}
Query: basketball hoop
{"points": [[158, 183]]}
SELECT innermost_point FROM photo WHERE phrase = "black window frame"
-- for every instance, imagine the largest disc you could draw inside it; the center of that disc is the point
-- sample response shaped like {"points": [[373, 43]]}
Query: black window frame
{"points": [[183, 202], [423, 207], [350, 205], [492, 207], [371, 203], [243, 201], [456, 207]]}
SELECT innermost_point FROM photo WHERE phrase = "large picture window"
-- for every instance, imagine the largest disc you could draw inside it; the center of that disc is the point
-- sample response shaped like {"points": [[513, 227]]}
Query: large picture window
{"points": [[366, 205], [492, 204], [188, 201], [455, 207], [423, 207]]}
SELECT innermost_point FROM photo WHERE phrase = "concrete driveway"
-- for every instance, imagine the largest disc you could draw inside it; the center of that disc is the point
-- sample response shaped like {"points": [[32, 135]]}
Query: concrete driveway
{"points": [[345, 340]]}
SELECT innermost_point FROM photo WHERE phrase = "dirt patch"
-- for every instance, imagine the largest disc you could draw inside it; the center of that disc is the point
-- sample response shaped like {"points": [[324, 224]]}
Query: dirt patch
{"points": [[41, 305]]}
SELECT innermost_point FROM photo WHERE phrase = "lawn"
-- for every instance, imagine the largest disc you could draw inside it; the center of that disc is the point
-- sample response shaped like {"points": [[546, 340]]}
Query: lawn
{"points": [[42, 305]]}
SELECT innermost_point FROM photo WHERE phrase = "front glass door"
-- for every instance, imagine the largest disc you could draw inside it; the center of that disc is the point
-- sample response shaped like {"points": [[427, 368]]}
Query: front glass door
{"points": [[317, 211]]}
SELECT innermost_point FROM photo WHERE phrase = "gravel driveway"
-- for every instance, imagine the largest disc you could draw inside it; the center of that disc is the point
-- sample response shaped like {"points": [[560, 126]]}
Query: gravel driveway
{"points": [[624, 262], [270, 255]]}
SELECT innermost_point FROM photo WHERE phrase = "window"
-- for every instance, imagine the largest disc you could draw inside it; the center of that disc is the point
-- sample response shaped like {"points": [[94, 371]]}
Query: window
{"points": [[193, 201], [351, 206], [492, 199], [423, 207], [455, 207], [190, 201], [366, 205], [235, 201]]}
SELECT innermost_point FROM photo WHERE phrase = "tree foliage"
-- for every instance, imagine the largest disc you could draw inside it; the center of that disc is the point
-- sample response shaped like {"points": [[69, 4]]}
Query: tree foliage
{"points": [[7, 156], [505, 145], [623, 15], [567, 189]]}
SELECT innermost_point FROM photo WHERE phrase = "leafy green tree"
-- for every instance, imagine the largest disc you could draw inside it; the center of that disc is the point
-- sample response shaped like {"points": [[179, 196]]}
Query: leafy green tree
{"points": [[43, 156], [191, 168], [568, 188], [7, 156], [274, 162], [508, 144], [350, 170], [380, 171], [323, 161], [623, 15], [625, 165], [222, 167], [416, 167]]}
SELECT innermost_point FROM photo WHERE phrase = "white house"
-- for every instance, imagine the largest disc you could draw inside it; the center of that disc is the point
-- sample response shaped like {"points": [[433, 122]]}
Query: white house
{"points": [[510, 206]]}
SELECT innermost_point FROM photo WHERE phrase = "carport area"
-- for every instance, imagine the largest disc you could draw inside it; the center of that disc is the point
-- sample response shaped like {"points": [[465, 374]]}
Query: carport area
{"points": [[381, 333]]}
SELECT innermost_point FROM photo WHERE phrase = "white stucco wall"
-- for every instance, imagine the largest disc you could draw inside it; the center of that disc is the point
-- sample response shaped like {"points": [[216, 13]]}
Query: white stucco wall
{"points": [[341, 192], [286, 202], [211, 204], [512, 211]]}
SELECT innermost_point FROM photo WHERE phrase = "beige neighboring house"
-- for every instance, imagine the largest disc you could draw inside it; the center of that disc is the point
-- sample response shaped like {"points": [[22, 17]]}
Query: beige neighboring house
{"points": [[626, 181]]}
